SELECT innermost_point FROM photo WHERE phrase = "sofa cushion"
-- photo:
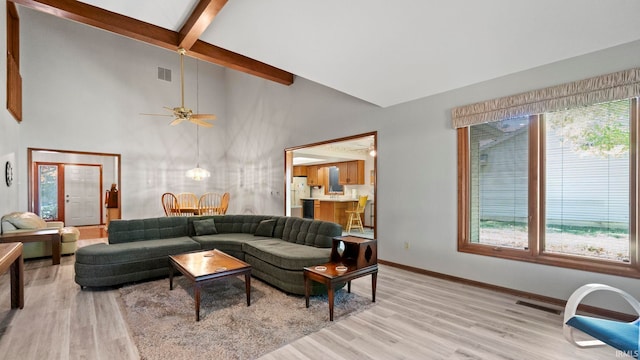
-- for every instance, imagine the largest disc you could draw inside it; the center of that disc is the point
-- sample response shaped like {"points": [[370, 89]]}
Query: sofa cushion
{"points": [[205, 227], [69, 234], [25, 220], [121, 231], [265, 228], [286, 255], [310, 232], [131, 252], [230, 223], [7, 226], [225, 242]]}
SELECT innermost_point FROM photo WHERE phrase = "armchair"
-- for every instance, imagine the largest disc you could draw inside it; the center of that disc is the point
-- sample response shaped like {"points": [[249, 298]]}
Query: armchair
{"points": [[27, 221]]}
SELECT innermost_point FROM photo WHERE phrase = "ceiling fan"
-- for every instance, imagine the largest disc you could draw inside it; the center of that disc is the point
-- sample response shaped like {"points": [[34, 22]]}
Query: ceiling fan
{"points": [[182, 113]]}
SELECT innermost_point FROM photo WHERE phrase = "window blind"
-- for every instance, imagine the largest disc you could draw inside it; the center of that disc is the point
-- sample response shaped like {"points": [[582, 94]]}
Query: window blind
{"points": [[587, 181], [499, 180], [615, 86]]}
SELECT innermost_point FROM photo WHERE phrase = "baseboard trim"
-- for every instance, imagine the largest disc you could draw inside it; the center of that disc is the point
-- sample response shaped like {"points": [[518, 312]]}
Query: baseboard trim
{"points": [[518, 293]]}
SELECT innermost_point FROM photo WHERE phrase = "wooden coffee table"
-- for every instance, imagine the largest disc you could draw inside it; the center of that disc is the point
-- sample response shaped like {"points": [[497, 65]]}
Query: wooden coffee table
{"points": [[203, 267]]}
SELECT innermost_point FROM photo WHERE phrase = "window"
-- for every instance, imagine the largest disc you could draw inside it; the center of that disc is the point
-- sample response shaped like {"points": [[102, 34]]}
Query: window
{"points": [[555, 188], [499, 178], [587, 186], [48, 187]]}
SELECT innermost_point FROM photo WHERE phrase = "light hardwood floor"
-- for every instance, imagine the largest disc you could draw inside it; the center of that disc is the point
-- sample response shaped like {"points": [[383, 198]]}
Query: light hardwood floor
{"points": [[415, 317]]}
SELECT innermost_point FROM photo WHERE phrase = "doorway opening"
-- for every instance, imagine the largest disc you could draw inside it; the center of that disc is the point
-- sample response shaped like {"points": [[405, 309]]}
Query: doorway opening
{"points": [[69, 186], [324, 179]]}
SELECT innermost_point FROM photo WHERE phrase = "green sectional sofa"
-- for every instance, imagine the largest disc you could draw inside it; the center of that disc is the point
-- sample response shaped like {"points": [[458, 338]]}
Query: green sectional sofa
{"points": [[277, 247]]}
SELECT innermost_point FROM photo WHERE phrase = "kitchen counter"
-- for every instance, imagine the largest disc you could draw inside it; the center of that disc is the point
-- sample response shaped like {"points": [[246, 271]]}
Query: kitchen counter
{"points": [[333, 210], [332, 200]]}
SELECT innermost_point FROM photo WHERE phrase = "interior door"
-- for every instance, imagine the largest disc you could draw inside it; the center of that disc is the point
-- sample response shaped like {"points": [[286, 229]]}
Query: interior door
{"points": [[82, 195]]}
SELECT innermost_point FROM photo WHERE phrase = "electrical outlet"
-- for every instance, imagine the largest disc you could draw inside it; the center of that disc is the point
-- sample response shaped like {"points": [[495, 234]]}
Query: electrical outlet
{"points": [[406, 245]]}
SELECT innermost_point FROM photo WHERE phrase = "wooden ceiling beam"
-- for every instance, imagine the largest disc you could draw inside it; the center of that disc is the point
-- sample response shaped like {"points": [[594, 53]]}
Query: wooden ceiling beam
{"points": [[155, 35], [198, 22], [217, 55], [105, 20]]}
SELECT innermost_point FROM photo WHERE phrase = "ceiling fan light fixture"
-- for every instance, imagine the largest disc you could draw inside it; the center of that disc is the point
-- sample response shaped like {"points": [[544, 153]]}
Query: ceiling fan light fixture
{"points": [[198, 173]]}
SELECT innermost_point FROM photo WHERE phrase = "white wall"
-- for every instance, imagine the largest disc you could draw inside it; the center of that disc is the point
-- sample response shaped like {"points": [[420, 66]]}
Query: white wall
{"points": [[417, 183], [84, 89]]}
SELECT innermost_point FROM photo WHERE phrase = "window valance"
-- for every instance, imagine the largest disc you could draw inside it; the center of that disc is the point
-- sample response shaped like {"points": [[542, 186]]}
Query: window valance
{"points": [[615, 86]]}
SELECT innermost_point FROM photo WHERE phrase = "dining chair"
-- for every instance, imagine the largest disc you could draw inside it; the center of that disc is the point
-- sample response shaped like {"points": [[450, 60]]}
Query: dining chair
{"points": [[209, 204], [354, 215], [170, 204], [224, 203], [188, 201]]}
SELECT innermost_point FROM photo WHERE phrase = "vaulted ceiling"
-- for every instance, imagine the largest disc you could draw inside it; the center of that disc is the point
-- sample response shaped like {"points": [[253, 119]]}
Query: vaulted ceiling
{"points": [[383, 52]]}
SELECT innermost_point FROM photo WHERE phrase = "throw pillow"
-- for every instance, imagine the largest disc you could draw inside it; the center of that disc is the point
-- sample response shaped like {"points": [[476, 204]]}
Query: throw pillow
{"points": [[265, 228], [25, 220], [205, 227]]}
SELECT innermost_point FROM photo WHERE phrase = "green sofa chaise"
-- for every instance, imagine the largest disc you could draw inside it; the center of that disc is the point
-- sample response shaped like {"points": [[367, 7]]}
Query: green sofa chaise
{"points": [[277, 247]]}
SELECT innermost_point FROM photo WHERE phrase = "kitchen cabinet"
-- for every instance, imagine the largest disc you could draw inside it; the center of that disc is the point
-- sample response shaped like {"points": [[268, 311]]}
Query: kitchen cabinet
{"points": [[316, 210], [299, 170], [316, 175], [323, 176], [351, 172], [312, 175]]}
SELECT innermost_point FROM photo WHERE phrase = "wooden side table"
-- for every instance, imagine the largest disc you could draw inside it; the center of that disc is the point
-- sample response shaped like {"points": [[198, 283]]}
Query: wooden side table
{"points": [[11, 259], [328, 275], [351, 257], [52, 235]]}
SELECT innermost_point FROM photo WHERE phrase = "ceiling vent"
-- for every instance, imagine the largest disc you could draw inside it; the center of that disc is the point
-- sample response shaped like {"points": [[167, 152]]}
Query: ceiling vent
{"points": [[164, 74]]}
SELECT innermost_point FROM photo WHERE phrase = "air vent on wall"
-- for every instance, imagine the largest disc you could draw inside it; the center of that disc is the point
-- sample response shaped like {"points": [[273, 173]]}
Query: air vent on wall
{"points": [[539, 307], [164, 74]]}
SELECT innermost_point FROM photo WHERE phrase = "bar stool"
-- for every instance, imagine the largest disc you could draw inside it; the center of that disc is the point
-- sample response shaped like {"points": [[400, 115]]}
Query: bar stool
{"points": [[354, 215]]}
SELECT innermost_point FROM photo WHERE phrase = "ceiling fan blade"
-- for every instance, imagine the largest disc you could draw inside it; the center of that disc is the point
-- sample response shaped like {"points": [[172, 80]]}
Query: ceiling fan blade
{"points": [[176, 121], [155, 114], [203, 116], [201, 122]]}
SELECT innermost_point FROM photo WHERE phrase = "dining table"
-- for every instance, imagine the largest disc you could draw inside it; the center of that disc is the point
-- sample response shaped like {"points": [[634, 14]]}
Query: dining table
{"points": [[188, 210], [198, 211]]}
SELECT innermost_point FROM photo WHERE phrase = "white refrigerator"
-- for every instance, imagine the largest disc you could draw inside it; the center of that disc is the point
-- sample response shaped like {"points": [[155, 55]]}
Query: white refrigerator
{"points": [[299, 190]]}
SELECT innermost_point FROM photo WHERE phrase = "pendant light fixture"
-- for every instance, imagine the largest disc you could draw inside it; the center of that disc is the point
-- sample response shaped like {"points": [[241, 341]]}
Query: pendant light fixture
{"points": [[197, 173]]}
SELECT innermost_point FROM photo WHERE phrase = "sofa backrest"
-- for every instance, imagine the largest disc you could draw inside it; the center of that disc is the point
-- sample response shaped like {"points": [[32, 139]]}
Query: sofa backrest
{"points": [[231, 223], [310, 232], [296, 230], [21, 220], [122, 231]]}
